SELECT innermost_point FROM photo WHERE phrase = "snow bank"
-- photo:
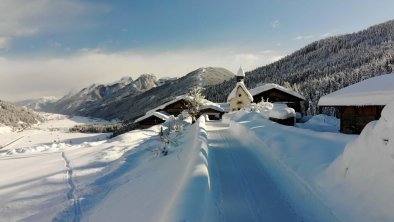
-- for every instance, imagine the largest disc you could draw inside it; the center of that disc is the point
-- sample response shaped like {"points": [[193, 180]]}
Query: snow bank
{"points": [[281, 111], [194, 202], [360, 181], [175, 187], [321, 123]]}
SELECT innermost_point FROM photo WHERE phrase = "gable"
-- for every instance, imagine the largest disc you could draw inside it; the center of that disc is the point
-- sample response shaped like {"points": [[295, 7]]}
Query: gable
{"points": [[275, 95]]}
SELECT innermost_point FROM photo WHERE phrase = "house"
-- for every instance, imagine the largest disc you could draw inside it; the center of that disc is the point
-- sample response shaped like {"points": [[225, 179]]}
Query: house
{"points": [[360, 103], [173, 107], [151, 119], [240, 95], [212, 110], [276, 93]]}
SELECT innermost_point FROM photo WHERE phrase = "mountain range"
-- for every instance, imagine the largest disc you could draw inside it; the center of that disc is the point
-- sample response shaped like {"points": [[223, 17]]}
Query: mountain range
{"points": [[127, 99], [317, 69]]}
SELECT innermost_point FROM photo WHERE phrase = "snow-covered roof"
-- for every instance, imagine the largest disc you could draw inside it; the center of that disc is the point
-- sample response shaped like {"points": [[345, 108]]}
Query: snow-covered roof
{"points": [[206, 104], [378, 90], [270, 86], [161, 115], [176, 99], [234, 92], [213, 106], [241, 72], [224, 106]]}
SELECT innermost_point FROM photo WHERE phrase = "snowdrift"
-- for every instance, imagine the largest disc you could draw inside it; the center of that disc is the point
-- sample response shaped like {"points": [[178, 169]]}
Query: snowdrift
{"points": [[361, 181]]}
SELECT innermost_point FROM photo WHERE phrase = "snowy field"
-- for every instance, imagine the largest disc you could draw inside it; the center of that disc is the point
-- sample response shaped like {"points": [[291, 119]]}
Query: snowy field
{"points": [[244, 168]]}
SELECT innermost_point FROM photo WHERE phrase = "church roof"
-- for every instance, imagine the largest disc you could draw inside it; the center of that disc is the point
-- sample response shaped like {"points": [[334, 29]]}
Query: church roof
{"points": [[233, 93], [241, 72]]}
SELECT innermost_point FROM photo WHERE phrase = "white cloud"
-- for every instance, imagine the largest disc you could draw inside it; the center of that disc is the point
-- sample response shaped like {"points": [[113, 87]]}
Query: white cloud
{"points": [[19, 18], [5, 42], [275, 24], [56, 76], [301, 37]]}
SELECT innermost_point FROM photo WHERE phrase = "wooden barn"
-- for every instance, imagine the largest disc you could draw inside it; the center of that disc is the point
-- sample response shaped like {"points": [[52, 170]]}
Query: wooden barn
{"points": [[174, 107], [276, 93], [151, 119], [360, 103]]}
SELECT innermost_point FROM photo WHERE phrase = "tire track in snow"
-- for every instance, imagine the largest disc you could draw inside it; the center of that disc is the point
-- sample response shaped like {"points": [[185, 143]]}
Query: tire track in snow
{"points": [[71, 196]]}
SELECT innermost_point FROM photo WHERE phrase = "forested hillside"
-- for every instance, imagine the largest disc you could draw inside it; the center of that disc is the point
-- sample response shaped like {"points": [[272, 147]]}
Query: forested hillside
{"points": [[16, 117], [324, 66]]}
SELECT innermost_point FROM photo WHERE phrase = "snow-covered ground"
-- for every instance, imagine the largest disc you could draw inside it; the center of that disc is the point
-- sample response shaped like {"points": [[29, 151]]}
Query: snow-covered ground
{"points": [[360, 181], [244, 168]]}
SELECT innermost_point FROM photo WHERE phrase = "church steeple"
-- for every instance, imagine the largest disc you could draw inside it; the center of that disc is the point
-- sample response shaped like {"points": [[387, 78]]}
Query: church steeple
{"points": [[240, 74]]}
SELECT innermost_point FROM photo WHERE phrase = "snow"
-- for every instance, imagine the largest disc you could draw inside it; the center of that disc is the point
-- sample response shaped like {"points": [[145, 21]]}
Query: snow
{"points": [[5, 129], [161, 115], [378, 90], [281, 111], [211, 105], [241, 72], [171, 188], [224, 106], [244, 168], [89, 177], [270, 86], [176, 99], [234, 91], [322, 123], [361, 180], [294, 158], [206, 104]]}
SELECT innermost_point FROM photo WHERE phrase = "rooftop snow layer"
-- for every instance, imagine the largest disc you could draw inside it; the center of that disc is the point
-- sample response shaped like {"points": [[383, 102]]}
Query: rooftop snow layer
{"points": [[240, 72], [234, 92], [378, 90], [270, 86], [161, 115]]}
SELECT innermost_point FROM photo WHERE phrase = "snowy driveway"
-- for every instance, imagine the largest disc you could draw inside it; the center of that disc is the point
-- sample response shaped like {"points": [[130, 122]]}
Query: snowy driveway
{"points": [[244, 189]]}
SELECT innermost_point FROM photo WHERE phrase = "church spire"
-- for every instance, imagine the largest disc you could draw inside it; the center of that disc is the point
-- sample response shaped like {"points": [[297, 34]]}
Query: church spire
{"points": [[240, 74]]}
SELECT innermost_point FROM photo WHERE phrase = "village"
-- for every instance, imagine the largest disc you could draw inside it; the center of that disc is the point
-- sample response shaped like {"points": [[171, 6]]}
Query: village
{"points": [[196, 111], [355, 105]]}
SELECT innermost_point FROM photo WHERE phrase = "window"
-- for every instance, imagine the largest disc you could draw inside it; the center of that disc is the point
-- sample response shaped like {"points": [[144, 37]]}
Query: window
{"points": [[239, 95]]}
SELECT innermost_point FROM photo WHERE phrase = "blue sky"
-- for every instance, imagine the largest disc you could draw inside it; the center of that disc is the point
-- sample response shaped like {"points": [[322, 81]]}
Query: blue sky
{"points": [[79, 42]]}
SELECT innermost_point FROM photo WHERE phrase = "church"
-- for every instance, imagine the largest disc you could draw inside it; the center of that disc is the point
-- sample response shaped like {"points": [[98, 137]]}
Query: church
{"points": [[239, 96]]}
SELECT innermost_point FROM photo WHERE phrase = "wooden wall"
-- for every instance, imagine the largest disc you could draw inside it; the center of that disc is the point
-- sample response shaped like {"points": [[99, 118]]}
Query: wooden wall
{"points": [[176, 108], [212, 113], [355, 118], [149, 122], [275, 95]]}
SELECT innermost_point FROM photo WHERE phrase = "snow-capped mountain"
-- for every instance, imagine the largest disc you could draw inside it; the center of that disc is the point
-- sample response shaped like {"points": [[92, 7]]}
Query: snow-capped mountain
{"points": [[98, 95], [128, 101], [40, 104]]}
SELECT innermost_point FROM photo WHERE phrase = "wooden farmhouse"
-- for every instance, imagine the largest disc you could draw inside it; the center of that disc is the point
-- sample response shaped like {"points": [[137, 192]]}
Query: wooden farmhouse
{"points": [[276, 93], [240, 95], [174, 107], [151, 119], [212, 110], [360, 103]]}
